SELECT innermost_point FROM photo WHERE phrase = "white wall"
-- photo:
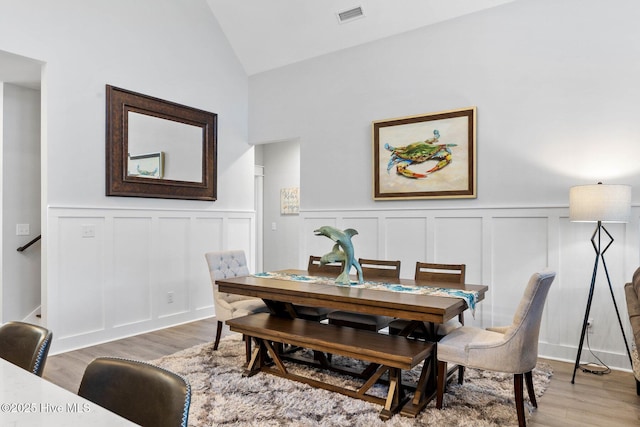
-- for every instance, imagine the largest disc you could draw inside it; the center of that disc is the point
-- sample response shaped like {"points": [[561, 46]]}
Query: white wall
{"points": [[20, 201], [115, 283], [555, 88]]}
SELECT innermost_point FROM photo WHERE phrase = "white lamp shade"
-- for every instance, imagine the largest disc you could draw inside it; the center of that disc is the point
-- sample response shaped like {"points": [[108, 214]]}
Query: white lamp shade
{"points": [[600, 202]]}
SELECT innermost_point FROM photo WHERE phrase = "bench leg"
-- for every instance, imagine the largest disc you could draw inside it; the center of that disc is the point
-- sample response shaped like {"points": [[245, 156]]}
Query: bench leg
{"points": [[369, 370], [247, 345], [253, 367], [395, 396], [259, 358], [425, 389], [275, 356]]}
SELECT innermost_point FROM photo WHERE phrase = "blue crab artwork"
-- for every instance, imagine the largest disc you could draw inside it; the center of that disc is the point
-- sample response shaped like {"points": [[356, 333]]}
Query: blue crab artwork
{"points": [[419, 152]]}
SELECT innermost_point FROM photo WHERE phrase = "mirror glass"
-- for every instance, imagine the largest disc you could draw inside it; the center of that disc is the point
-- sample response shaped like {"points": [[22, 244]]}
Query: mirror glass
{"points": [[164, 149], [157, 148]]}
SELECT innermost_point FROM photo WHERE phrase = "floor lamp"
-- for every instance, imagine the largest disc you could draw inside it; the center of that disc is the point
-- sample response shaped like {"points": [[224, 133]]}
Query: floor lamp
{"points": [[599, 203]]}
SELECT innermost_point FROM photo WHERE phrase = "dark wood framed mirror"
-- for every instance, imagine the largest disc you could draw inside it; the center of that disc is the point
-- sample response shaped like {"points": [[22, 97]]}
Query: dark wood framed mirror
{"points": [[157, 148]]}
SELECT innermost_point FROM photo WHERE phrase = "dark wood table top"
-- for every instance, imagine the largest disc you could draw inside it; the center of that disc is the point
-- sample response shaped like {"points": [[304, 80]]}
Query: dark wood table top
{"points": [[427, 308]]}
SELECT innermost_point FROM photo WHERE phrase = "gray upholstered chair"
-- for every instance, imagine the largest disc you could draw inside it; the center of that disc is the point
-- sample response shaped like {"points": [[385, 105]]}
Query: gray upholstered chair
{"points": [[632, 296], [222, 265], [138, 391], [25, 345], [371, 270], [512, 349]]}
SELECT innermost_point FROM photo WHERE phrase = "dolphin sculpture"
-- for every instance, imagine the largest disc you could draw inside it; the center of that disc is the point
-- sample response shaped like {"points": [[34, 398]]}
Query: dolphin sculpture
{"points": [[342, 251]]}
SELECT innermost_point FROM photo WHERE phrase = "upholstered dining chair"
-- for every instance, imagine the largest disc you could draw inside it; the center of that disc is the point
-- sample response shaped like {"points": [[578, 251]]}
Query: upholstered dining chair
{"points": [[512, 349], [433, 272], [25, 345], [138, 391], [371, 270], [222, 265]]}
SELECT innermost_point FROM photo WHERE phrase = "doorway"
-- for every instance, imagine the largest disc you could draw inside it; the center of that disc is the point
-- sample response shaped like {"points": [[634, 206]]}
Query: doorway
{"points": [[20, 188], [280, 228]]}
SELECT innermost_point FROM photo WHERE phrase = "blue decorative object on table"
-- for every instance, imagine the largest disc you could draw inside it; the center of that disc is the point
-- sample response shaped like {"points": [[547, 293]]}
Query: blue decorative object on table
{"points": [[342, 251]]}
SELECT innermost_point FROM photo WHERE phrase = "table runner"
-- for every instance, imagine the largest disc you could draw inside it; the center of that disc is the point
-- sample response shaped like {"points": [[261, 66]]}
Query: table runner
{"points": [[470, 297]]}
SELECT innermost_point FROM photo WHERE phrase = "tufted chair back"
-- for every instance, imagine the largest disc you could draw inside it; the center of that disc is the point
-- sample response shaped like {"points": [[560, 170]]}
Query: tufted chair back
{"points": [[25, 345], [222, 265]]}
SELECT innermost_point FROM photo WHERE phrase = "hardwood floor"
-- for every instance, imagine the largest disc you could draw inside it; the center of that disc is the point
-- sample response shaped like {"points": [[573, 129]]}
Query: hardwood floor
{"points": [[66, 369], [594, 400], [607, 400]]}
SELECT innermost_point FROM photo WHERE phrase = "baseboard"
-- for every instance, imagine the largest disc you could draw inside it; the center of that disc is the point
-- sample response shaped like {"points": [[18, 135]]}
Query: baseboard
{"points": [[34, 316]]}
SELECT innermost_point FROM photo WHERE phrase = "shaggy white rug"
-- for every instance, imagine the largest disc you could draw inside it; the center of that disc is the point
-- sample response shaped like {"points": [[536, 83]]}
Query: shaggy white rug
{"points": [[221, 396]]}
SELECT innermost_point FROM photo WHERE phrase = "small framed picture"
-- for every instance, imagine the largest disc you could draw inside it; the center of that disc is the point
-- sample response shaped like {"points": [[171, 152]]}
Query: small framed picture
{"points": [[427, 156], [290, 201], [149, 165]]}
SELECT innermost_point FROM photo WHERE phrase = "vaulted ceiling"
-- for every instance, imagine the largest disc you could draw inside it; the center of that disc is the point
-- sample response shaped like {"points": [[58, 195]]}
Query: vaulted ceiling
{"points": [[267, 34]]}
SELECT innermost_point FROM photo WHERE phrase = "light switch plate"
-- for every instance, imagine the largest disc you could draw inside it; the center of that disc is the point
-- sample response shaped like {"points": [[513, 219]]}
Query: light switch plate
{"points": [[22, 230]]}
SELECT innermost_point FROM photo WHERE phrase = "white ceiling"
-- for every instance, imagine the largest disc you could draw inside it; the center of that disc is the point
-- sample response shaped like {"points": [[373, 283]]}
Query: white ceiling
{"points": [[267, 34]]}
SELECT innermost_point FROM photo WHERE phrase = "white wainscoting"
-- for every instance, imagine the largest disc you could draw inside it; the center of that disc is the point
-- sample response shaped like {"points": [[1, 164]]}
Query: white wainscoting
{"points": [[502, 247], [116, 283], [112, 272]]}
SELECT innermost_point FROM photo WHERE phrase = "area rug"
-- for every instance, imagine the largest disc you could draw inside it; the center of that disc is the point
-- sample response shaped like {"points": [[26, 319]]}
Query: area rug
{"points": [[221, 396]]}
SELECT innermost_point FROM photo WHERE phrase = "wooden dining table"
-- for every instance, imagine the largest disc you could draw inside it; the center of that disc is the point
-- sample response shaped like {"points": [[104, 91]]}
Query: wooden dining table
{"points": [[282, 296]]}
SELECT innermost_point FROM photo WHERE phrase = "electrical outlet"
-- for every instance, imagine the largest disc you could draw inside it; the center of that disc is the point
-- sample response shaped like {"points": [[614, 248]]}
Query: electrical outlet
{"points": [[169, 297], [88, 230]]}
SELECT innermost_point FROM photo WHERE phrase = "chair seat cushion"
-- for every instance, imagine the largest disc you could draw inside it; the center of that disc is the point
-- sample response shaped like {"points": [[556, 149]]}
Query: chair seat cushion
{"points": [[248, 306], [455, 348], [448, 327], [232, 298], [359, 320]]}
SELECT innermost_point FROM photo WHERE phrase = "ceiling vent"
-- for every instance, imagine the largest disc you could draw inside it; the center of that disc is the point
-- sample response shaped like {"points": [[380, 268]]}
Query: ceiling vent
{"points": [[350, 14]]}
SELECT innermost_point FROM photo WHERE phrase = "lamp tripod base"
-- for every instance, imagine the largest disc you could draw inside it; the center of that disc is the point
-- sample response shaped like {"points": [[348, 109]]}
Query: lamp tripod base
{"points": [[599, 255]]}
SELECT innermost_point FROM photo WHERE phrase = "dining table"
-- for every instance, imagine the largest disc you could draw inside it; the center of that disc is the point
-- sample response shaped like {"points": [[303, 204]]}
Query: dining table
{"points": [[284, 289], [27, 400], [422, 303]]}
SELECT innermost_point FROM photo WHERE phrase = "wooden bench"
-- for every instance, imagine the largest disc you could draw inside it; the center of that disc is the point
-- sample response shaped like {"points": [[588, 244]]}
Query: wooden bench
{"points": [[391, 353]]}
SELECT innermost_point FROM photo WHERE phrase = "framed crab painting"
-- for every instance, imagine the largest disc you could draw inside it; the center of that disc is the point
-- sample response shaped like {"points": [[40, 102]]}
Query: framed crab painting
{"points": [[428, 156]]}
